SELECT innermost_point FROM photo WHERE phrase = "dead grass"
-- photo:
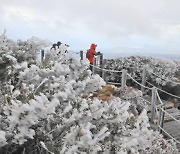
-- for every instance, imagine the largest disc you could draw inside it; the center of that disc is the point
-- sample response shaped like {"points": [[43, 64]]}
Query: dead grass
{"points": [[106, 92]]}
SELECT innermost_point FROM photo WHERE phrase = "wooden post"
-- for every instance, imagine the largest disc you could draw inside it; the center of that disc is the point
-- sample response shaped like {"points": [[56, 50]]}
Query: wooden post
{"points": [[101, 59], [94, 64], [102, 67], [42, 56], [143, 79], [161, 119], [123, 79], [153, 104], [81, 54]]}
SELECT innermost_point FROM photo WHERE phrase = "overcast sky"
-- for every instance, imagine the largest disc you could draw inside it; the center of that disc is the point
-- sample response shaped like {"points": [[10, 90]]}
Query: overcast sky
{"points": [[116, 26]]}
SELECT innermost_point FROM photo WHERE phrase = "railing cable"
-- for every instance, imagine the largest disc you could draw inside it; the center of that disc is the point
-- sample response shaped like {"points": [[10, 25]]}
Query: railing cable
{"points": [[138, 82], [163, 91], [169, 135], [164, 78], [113, 71], [170, 115]]}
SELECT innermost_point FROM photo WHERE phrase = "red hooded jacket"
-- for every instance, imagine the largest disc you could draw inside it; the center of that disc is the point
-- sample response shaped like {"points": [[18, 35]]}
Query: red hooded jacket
{"points": [[91, 53]]}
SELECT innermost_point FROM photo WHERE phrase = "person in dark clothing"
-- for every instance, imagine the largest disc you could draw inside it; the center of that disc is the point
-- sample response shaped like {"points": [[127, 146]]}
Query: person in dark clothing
{"points": [[58, 44], [54, 46]]}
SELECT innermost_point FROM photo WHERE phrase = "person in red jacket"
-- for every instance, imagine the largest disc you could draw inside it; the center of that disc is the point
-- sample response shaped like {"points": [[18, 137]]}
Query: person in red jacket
{"points": [[91, 52]]}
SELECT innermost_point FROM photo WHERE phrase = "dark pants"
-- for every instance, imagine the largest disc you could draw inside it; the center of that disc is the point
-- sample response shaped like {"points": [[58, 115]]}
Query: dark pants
{"points": [[91, 67]]}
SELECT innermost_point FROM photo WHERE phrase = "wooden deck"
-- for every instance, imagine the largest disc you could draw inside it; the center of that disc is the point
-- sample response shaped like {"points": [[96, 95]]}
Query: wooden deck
{"points": [[171, 126], [174, 112]]}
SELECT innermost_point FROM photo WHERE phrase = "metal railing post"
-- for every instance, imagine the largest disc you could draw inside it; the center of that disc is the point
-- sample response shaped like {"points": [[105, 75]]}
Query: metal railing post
{"points": [[81, 55], [123, 79], [143, 79], [153, 104]]}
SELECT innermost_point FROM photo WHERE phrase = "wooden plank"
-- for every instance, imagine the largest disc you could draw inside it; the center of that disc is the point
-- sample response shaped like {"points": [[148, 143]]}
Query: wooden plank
{"points": [[172, 110], [168, 105], [173, 133], [176, 135], [171, 128], [173, 114], [172, 123], [178, 138], [168, 118], [176, 116]]}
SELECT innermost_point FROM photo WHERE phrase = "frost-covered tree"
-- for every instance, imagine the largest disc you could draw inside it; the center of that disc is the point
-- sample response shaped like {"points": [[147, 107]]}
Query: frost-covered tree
{"points": [[160, 72], [52, 108]]}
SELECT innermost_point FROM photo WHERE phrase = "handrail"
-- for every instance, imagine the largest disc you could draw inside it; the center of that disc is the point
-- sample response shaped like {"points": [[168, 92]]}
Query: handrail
{"points": [[158, 99], [165, 110], [74, 52], [163, 90], [163, 104], [138, 82], [157, 94], [132, 67], [114, 71], [114, 83], [169, 135], [170, 115], [150, 84], [168, 93], [164, 78], [154, 74], [142, 69], [146, 100]]}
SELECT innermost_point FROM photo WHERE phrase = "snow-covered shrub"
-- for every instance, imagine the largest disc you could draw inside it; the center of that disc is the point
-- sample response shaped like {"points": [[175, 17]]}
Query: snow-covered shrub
{"points": [[159, 70], [35, 91], [2, 139], [47, 108], [134, 96]]}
